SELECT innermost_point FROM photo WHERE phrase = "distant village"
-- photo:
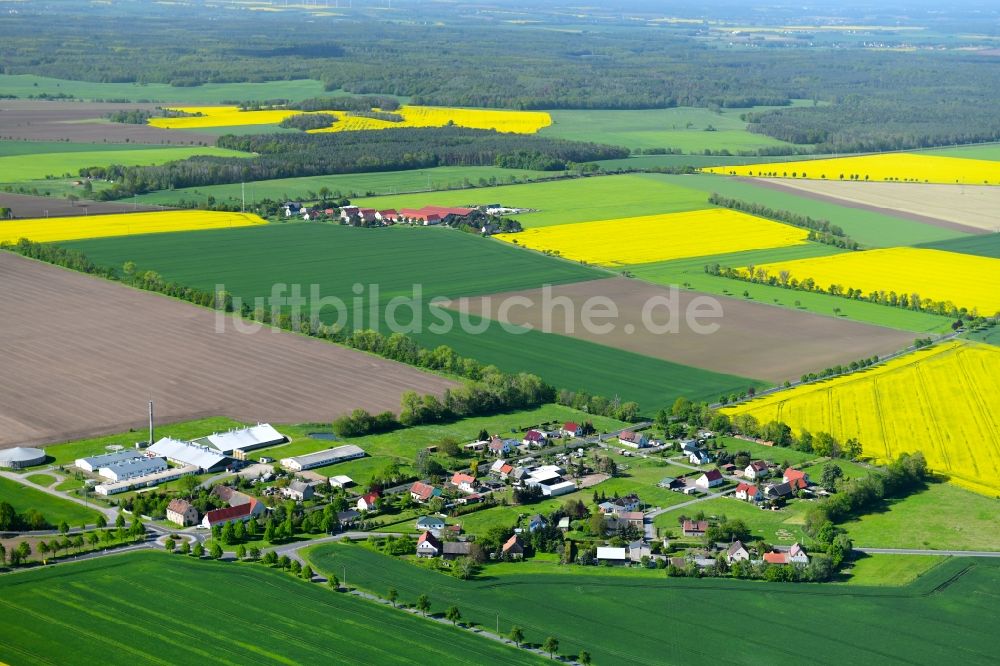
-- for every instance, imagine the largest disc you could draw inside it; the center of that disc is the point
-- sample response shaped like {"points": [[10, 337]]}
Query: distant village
{"points": [[487, 219]]}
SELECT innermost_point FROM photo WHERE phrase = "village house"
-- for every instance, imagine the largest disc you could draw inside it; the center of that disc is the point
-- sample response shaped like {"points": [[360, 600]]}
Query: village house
{"points": [[387, 216], [757, 469], [670, 483], [737, 552], [182, 513], [778, 490], [749, 492], [635, 440], [464, 482], [536, 522], [513, 549], [428, 545], [639, 549], [478, 445], [430, 523], [710, 479], [628, 519], [341, 481], [423, 492], [501, 447], [794, 555], [571, 429], [501, 469], [534, 439], [694, 528], [232, 514], [299, 491], [797, 479], [368, 502]]}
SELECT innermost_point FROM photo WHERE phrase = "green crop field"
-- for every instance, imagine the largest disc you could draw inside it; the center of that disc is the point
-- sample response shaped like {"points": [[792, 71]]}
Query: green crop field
{"points": [[639, 162], [690, 273], [350, 185], [565, 201], [775, 454], [55, 509], [990, 335], [18, 168], [444, 262], [9, 148], [866, 227], [694, 621], [942, 517], [24, 85], [890, 570], [989, 151], [986, 245], [691, 130], [153, 608]]}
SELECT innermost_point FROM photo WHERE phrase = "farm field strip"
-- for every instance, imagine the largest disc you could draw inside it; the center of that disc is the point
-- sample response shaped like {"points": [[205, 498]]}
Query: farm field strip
{"points": [[647, 239], [520, 122], [128, 346], [750, 340], [902, 167], [970, 207], [984, 246], [966, 280], [591, 610], [943, 401], [200, 604], [52, 229], [19, 168]]}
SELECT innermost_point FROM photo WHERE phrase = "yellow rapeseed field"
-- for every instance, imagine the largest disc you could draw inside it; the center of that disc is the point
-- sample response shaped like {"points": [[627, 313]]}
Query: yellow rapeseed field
{"points": [[641, 240], [520, 122], [965, 280], [902, 167], [52, 229], [944, 401]]}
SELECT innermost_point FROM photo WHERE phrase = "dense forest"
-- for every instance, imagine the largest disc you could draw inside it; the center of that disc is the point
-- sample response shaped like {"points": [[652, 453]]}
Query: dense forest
{"points": [[393, 149], [865, 99]]}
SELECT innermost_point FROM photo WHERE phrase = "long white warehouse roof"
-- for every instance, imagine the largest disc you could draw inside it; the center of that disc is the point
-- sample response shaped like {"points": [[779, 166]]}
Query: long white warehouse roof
{"points": [[262, 434], [92, 463], [187, 453]]}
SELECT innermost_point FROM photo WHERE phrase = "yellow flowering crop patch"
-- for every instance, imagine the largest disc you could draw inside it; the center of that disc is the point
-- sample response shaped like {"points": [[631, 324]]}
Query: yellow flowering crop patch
{"points": [[943, 401], [965, 280], [901, 167], [641, 240], [99, 226], [521, 122]]}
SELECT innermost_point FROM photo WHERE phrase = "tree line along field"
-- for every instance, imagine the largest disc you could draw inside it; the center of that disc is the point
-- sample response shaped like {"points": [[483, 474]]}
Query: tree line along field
{"points": [[54, 509], [942, 401], [250, 261], [695, 620], [213, 613], [351, 185], [868, 227], [566, 201]]}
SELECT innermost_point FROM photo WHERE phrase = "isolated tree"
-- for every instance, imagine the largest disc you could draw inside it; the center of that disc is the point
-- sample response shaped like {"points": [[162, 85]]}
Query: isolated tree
{"points": [[831, 473], [198, 550], [453, 614], [43, 549], [551, 645], [269, 558], [169, 544], [423, 604], [392, 596], [24, 550], [185, 548], [517, 635], [216, 552], [334, 582], [307, 572], [584, 658]]}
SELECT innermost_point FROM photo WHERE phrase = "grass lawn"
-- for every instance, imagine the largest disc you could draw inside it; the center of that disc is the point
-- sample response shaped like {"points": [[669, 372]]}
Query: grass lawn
{"points": [[23, 85], [782, 527], [214, 613], [45, 480], [851, 470], [396, 261], [350, 185], [690, 129], [775, 454], [690, 274], [19, 168], [693, 621], [866, 227], [55, 509], [890, 570], [942, 517], [985, 245], [69, 484], [567, 201]]}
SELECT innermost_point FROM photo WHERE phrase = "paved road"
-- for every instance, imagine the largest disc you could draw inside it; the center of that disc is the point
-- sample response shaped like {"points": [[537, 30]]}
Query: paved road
{"points": [[675, 507], [914, 551]]}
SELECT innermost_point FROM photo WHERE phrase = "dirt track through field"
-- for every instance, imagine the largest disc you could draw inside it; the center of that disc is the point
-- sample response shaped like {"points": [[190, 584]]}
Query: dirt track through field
{"points": [[85, 122], [80, 357], [753, 340], [858, 198]]}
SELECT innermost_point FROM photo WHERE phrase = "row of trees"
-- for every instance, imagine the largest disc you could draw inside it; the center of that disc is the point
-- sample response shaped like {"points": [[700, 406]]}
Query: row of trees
{"points": [[821, 231], [308, 121], [398, 148]]}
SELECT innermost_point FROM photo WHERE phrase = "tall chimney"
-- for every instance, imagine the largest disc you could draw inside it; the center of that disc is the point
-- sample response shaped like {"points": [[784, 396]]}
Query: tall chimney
{"points": [[150, 423]]}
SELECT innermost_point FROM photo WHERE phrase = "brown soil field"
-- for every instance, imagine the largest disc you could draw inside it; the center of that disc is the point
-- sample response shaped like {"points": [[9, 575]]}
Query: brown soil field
{"points": [[752, 340], [82, 356], [971, 209], [84, 122], [27, 206]]}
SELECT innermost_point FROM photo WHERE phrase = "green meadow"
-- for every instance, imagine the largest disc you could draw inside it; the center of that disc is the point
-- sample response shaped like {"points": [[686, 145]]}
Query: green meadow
{"points": [[689, 129], [566, 201], [350, 185], [444, 263], [984, 245], [986, 151], [866, 227], [154, 608], [10, 148], [690, 274], [55, 509], [17, 168], [639, 619]]}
